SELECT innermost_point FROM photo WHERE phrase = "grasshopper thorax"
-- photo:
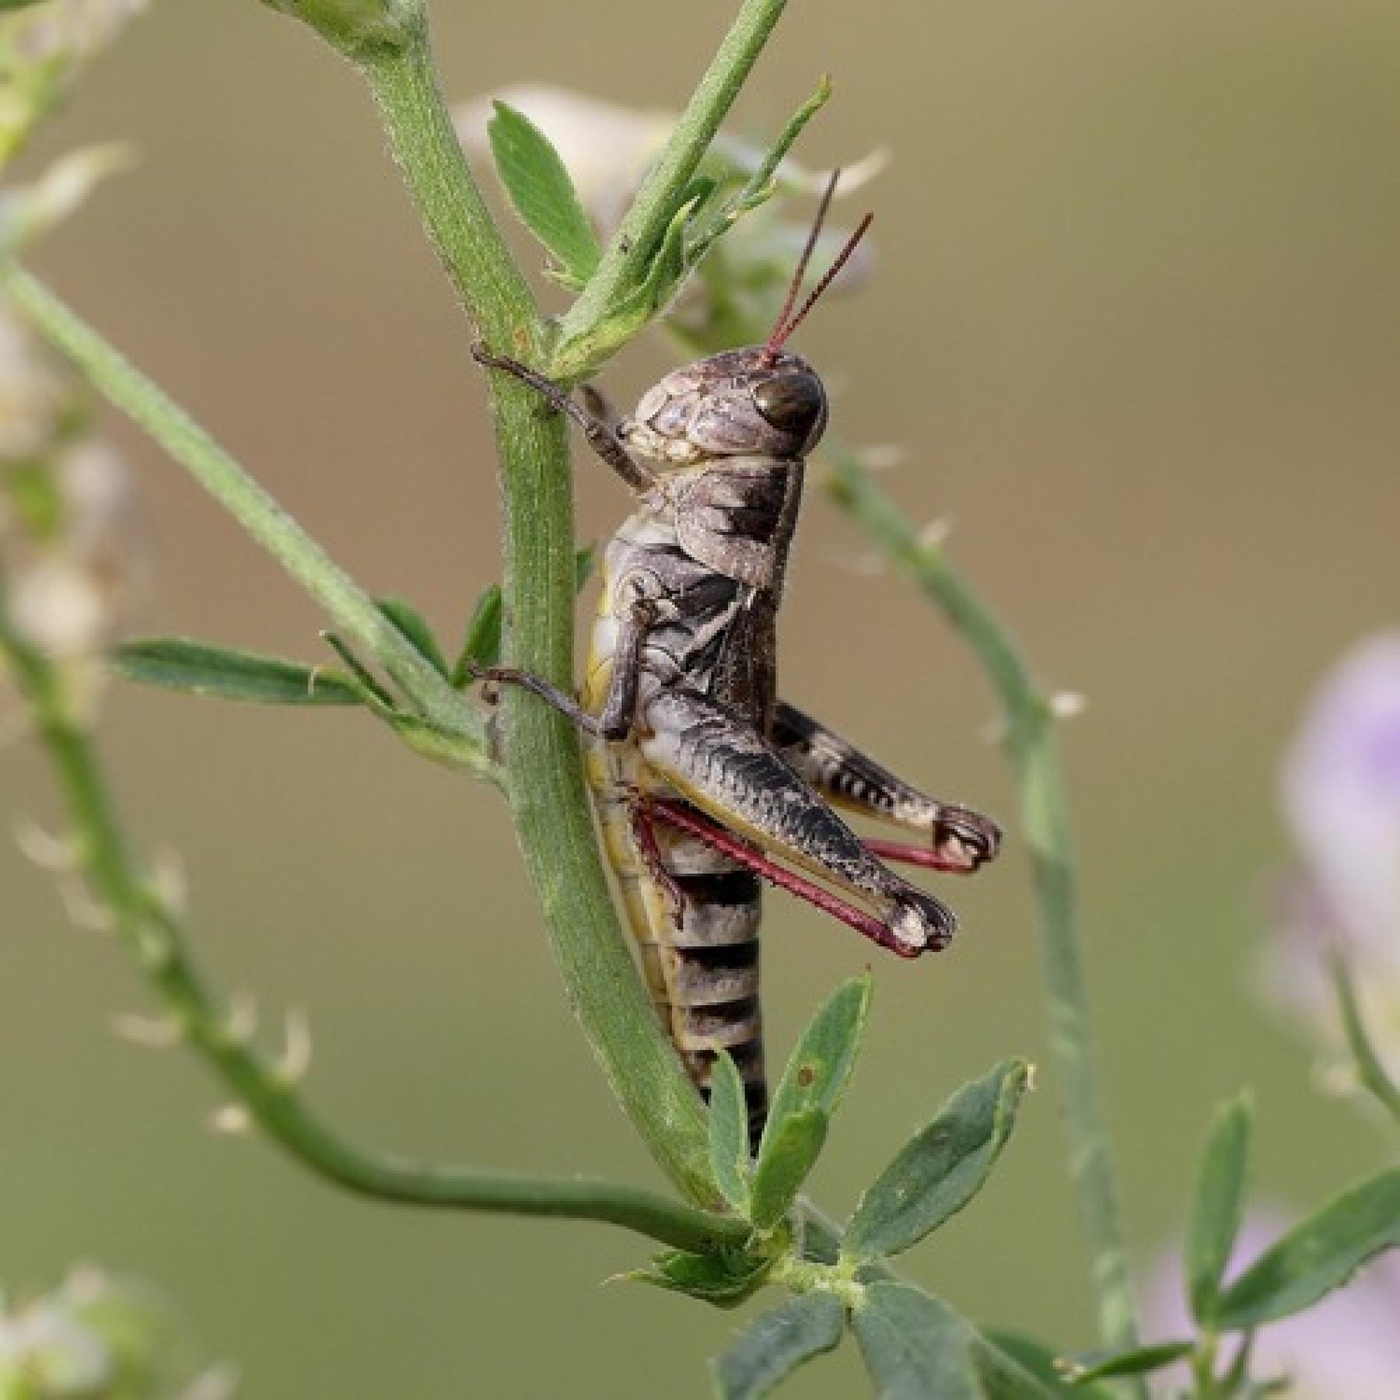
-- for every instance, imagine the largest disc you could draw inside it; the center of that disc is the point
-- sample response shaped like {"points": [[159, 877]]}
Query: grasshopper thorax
{"points": [[750, 402]]}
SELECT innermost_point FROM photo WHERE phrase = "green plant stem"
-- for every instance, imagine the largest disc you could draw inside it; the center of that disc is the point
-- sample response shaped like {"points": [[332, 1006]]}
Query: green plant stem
{"points": [[540, 750], [1031, 745], [633, 245], [1203, 1367], [152, 935], [265, 520], [1370, 1069], [489, 285], [543, 779]]}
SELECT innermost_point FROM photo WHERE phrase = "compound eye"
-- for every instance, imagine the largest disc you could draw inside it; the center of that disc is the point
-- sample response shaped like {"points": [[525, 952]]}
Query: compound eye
{"points": [[793, 403]]}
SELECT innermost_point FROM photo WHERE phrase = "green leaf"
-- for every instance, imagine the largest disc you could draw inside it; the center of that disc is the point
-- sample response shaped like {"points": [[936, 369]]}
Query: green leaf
{"points": [[820, 1067], [917, 1348], [371, 691], [35, 497], [760, 186], [784, 1163], [542, 193], [482, 645], [411, 623], [812, 1084], [199, 668], [658, 284], [941, 1168], [1217, 1205], [729, 1132], [635, 305], [914, 1347], [775, 1344], [1138, 1361], [1043, 1363], [1005, 1377], [585, 556], [725, 1279], [440, 745], [821, 1242], [1316, 1256]]}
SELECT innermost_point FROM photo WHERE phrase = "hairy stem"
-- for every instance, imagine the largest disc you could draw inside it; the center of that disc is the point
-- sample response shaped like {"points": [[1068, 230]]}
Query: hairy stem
{"points": [[635, 242], [153, 936], [1031, 745], [541, 757]]}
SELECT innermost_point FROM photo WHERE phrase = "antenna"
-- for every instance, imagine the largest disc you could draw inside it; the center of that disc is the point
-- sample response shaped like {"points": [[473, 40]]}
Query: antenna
{"points": [[784, 326]]}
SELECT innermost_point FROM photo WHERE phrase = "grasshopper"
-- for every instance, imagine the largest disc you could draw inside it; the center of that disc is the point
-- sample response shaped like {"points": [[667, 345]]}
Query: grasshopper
{"points": [[704, 782]]}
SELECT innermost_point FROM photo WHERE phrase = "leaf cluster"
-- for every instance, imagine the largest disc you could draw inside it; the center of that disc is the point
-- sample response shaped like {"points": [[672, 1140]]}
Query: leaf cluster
{"points": [[912, 1344], [227, 673], [543, 196], [1300, 1268]]}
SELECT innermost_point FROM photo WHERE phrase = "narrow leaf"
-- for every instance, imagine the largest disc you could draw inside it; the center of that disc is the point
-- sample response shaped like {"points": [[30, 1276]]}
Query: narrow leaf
{"points": [[729, 1132], [1139, 1361], [412, 624], [440, 745], [775, 1344], [812, 1084], [200, 668], [585, 556], [759, 187], [1044, 1363], [660, 281], [371, 692], [482, 644], [722, 1279], [637, 303], [917, 1348], [1005, 1376], [542, 193], [821, 1243], [941, 1168], [784, 1164], [1316, 1256], [914, 1347], [820, 1067], [1217, 1205]]}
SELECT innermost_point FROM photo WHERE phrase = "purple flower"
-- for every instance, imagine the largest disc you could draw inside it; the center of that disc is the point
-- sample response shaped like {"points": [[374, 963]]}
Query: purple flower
{"points": [[1345, 1348], [1341, 799]]}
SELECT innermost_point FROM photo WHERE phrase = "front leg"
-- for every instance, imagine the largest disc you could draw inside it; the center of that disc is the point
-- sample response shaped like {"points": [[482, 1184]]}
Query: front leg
{"points": [[601, 434], [957, 839]]}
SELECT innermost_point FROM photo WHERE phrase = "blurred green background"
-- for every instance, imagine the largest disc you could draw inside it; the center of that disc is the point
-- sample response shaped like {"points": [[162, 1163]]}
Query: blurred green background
{"points": [[1138, 328]]}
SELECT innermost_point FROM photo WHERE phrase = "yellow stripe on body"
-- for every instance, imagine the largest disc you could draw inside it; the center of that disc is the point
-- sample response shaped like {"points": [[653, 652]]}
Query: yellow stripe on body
{"points": [[616, 771]]}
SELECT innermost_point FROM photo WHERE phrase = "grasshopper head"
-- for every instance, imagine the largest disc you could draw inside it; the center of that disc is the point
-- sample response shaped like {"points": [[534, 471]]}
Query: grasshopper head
{"points": [[762, 401], [750, 402]]}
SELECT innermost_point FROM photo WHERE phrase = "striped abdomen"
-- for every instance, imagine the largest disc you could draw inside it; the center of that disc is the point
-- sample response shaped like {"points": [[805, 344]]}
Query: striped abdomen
{"points": [[696, 929], [710, 558]]}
